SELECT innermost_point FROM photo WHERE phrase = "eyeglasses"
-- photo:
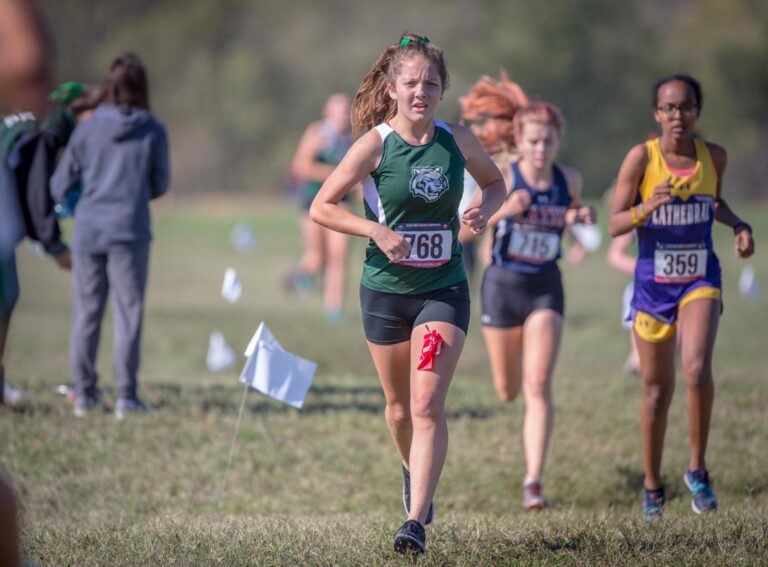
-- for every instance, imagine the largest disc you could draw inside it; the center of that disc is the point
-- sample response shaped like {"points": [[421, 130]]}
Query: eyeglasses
{"points": [[687, 108]]}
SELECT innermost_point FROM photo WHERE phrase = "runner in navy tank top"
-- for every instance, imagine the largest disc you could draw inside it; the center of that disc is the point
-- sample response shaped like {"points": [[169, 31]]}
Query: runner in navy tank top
{"points": [[529, 242], [522, 292]]}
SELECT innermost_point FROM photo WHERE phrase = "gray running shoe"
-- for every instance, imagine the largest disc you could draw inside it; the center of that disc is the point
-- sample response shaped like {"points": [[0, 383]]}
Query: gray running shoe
{"points": [[85, 404], [125, 406], [411, 537], [407, 498], [8, 394], [704, 499], [532, 496]]}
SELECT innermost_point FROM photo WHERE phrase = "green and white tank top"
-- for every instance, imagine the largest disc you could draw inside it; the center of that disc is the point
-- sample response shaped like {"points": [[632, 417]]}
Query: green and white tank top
{"points": [[416, 190]]}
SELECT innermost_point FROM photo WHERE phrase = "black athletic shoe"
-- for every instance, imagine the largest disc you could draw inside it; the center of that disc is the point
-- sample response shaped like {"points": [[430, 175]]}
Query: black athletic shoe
{"points": [[407, 498], [411, 537]]}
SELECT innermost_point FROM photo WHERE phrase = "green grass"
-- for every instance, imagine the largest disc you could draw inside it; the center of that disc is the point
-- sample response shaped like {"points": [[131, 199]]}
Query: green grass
{"points": [[322, 486]]}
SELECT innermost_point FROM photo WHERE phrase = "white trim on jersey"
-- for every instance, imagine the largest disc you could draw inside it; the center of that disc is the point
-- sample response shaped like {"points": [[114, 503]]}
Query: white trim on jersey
{"points": [[372, 199], [501, 231], [384, 130], [370, 193], [513, 177], [470, 188]]}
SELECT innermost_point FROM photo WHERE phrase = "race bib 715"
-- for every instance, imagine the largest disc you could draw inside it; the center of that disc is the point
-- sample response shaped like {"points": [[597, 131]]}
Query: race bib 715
{"points": [[533, 246]]}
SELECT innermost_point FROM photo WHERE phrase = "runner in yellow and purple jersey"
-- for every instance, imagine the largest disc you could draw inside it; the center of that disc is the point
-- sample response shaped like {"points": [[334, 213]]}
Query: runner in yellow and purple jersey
{"points": [[670, 191]]}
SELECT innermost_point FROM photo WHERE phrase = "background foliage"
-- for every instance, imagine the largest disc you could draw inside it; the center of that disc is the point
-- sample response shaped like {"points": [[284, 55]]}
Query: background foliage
{"points": [[237, 81]]}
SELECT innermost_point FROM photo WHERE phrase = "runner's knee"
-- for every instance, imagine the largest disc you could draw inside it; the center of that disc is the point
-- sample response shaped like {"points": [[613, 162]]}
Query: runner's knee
{"points": [[697, 371], [537, 390], [427, 410], [505, 391], [399, 413], [657, 398]]}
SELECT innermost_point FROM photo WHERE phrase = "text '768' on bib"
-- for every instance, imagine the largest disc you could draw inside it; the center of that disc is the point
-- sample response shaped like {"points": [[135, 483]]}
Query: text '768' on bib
{"points": [[533, 246], [679, 263], [431, 243]]}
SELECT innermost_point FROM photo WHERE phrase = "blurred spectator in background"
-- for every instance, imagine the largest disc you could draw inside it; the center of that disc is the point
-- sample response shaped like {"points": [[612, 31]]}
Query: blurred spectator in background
{"points": [[25, 63], [24, 81], [321, 148], [120, 158], [30, 150]]}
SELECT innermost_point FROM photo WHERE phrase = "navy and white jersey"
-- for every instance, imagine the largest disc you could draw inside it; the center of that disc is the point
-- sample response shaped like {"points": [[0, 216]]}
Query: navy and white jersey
{"points": [[529, 243]]}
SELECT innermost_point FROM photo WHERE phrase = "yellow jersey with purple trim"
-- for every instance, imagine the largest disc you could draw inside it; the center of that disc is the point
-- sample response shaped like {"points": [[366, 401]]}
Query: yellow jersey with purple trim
{"points": [[675, 253]]}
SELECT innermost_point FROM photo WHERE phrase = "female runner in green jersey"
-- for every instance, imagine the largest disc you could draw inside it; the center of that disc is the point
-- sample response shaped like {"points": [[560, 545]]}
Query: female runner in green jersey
{"points": [[414, 296]]}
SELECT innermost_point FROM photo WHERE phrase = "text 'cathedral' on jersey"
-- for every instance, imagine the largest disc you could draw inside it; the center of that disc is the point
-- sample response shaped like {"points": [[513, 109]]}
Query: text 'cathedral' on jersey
{"points": [[675, 253]]}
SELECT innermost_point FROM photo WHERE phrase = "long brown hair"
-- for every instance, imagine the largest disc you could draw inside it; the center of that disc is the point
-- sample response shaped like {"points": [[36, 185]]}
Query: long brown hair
{"points": [[372, 104], [490, 106], [126, 83]]}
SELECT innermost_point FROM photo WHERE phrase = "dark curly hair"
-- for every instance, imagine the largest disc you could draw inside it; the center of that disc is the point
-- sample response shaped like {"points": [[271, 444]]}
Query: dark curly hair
{"points": [[687, 79]]}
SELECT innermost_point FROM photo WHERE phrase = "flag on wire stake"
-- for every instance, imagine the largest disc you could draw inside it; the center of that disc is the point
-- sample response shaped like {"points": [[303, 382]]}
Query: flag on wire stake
{"points": [[275, 372]]}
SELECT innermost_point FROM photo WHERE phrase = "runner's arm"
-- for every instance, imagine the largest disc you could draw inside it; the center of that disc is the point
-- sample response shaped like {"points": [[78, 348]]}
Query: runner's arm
{"points": [[487, 175], [361, 159], [619, 257], [305, 164], [744, 245], [625, 194], [577, 213]]}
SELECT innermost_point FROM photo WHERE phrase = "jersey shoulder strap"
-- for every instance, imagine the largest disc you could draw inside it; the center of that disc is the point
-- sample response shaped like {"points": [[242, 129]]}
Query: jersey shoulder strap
{"points": [[384, 130], [444, 125]]}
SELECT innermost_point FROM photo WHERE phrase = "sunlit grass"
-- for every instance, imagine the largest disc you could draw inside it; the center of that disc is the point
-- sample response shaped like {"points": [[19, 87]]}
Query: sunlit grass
{"points": [[322, 486]]}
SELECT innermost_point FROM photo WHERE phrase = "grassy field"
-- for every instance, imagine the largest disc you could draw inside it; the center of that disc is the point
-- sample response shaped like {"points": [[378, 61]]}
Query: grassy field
{"points": [[322, 486]]}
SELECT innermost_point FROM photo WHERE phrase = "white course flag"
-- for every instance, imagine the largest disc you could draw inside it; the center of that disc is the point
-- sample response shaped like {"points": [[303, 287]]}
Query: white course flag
{"points": [[220, 355], [749, 287], [276, 372], [231, 288]]}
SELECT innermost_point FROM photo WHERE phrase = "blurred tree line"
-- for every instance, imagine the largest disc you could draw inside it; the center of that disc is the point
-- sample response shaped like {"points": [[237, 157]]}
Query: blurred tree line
{"points": [[236, 81]]}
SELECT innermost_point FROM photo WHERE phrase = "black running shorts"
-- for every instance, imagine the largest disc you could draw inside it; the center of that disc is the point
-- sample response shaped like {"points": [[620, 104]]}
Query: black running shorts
{"points": [[508, 298], [389, 318]]}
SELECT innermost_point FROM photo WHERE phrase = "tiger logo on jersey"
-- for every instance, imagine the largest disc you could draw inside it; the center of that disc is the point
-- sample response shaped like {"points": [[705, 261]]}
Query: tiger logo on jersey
{"points": [[429, 183]]}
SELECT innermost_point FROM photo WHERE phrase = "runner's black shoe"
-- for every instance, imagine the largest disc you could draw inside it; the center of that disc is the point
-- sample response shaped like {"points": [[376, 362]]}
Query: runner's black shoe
{"points": [[407, 498], [411, 537]]}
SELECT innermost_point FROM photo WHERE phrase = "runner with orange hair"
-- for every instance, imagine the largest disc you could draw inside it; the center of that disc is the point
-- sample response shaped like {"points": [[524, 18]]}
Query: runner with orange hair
{"points": [[522, 292], [488, 109]]}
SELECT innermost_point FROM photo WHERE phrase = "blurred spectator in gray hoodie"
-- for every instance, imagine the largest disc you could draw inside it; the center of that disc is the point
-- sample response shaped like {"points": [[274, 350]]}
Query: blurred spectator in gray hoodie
{"points": [[120, 159]]}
